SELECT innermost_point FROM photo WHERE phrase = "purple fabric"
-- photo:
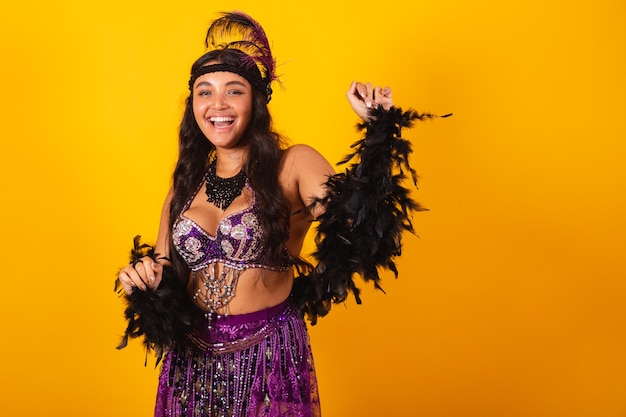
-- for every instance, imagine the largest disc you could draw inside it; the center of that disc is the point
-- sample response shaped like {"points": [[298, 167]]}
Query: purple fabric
{"points": [[248, 365], [237, 242]]}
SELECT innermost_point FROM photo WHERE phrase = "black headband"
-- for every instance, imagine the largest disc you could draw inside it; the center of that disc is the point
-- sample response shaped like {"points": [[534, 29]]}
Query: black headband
{"points": [[252, 75]]}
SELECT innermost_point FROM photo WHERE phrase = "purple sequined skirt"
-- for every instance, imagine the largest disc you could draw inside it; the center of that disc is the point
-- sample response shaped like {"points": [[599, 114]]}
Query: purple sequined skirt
{"points": [[248, 365]]}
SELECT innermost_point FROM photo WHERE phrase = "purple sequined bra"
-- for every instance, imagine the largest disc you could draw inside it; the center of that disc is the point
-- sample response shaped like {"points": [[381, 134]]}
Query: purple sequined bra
{"points": [[237, 243], [237, 246]]}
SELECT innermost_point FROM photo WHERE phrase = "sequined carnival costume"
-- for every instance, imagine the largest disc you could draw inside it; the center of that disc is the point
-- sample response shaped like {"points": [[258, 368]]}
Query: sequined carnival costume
{"points": [[256, 364], [260, 363]]}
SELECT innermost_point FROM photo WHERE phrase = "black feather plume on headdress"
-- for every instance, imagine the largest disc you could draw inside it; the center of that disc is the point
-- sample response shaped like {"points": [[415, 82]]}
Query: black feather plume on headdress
{"points": [[367, 209], [159, 316]]}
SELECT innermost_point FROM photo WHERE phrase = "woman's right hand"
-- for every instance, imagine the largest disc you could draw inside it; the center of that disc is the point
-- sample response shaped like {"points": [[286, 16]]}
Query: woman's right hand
{"points": [[143, 274]]}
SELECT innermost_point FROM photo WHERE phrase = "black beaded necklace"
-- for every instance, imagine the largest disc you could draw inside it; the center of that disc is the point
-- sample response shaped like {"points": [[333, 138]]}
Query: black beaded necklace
{"points": [[222, 191]]}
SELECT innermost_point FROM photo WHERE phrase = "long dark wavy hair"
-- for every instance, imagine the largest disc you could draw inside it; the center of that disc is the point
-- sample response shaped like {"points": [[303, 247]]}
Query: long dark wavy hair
{"points": [[265, 148]]}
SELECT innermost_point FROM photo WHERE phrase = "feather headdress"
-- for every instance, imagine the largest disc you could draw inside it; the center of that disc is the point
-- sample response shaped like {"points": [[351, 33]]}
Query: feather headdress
{"points": [[237, 30]]}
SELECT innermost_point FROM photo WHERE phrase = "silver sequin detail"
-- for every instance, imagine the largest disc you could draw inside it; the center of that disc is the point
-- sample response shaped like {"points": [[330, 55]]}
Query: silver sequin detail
{"points": [[182, 228], [227, 247], [225, 227], [193, 246], [249, 220], [239, 232]]}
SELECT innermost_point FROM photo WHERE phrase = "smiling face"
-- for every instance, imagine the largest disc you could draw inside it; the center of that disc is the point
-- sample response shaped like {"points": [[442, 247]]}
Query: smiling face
{"points": [[222, 107]]}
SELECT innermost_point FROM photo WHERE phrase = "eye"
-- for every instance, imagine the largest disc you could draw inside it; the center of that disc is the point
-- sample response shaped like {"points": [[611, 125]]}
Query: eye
{"points": [[204, 93], [235, 92]]}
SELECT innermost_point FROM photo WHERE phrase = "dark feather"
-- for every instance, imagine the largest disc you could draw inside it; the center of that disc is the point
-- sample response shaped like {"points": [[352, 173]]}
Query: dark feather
{"points": [[159, 316], [367, 210]]}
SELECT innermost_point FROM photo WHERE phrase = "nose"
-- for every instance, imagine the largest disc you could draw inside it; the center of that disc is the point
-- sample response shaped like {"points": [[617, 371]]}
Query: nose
{"points": [[219, 101]]}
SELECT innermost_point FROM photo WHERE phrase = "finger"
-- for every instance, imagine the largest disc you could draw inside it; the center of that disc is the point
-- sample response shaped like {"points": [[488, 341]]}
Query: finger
{"points": [[154, 271], [158, 274], [157, 268], [362, 90], [129, 288], [357, 95], [354, 95], [378, 96], [137, 275], [352, 90], [369, 95], [355, 90], [126, 283], [386, 100]]}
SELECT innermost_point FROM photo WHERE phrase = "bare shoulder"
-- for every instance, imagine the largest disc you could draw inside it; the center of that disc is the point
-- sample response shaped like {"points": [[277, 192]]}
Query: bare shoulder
{"points": [[304, 159], [300, 151], [304, 173]]}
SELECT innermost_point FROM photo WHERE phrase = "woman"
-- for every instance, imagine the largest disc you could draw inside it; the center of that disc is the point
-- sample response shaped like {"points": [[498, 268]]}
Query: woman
{"points": [[219, 285]]}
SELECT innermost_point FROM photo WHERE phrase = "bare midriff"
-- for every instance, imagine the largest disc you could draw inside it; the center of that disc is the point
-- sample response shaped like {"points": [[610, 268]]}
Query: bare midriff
{"points": [[253, 289]]}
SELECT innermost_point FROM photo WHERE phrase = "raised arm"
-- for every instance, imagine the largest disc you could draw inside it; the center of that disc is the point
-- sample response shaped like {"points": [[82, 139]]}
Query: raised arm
{"points": [[366, 207], [310, 172]]}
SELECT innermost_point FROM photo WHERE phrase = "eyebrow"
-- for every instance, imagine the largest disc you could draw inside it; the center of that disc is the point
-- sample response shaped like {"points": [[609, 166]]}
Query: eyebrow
{"points": [[229, 83]]}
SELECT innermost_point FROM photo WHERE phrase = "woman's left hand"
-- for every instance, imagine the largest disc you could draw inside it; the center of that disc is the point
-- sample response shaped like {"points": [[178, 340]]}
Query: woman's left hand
{"points": [[364, 96]]}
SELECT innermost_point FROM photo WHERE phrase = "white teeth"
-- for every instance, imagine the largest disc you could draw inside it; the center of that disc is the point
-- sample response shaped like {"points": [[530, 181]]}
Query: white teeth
{"points": [[221, 119]]}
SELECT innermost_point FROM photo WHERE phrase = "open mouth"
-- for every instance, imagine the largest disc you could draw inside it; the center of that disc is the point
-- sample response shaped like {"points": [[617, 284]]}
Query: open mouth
{"points": [[222, 121]]}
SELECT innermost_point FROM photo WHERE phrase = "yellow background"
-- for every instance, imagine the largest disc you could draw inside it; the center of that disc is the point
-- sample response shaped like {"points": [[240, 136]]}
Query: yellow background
{"points": [[512, 301]]}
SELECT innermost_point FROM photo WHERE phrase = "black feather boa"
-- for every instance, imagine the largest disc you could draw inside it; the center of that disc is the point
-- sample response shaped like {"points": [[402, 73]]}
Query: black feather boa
{"points": [[367, 211], [160, 316]]}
